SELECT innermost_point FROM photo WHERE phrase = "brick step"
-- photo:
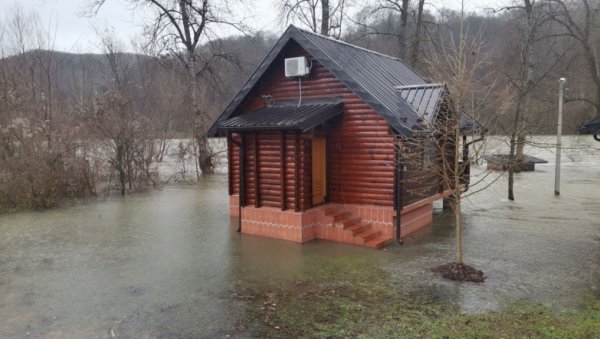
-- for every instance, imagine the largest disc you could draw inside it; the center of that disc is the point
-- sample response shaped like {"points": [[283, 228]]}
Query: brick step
{"points": [[368, 235], [377, 242], [334, 210], [341, 216], [349, 221], [361, 231], [358, 228]]}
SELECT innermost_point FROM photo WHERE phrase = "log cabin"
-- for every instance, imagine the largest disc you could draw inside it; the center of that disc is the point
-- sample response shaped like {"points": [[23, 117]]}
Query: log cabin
{"points": [[312, 144], [592, 127]]}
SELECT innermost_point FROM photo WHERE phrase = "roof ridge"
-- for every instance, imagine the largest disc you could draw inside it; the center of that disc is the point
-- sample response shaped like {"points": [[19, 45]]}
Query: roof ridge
{"points": [[428, 85], [348, 44], [358, 47]]}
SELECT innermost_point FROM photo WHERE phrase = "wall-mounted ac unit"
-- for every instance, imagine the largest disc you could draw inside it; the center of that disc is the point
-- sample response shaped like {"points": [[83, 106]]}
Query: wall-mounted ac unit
{"points": [[296, 67]]}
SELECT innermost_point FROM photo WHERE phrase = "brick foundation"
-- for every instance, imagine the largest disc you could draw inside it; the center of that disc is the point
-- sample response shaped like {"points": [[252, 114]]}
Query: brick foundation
{"points": [[315, 223], [274, 223], [416, 219], [234, 205]]}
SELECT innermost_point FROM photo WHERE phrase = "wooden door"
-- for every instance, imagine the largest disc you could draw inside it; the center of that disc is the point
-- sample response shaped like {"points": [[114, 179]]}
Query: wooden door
{"points": [[319, 170]]}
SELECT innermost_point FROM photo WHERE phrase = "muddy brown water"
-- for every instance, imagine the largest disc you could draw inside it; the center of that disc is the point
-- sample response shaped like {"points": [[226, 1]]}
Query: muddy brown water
{"points": [[164, 262]]}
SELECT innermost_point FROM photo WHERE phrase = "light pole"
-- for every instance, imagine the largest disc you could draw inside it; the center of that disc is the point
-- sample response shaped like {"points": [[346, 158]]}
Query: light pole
{"points": [[561, 85]]}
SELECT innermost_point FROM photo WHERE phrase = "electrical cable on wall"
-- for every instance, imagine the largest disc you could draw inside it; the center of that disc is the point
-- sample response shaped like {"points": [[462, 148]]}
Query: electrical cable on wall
{"points": [[300, 91], [309, 68]]}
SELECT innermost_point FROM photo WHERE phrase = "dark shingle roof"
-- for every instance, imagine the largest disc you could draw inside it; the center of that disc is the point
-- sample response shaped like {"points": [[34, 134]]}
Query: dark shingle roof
{"points": [[284, 117], [371, 75], [591, 127]]}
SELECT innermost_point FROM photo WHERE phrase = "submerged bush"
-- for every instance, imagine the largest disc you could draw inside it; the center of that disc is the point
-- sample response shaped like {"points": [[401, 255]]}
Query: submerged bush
{"points": [[41, 182]]}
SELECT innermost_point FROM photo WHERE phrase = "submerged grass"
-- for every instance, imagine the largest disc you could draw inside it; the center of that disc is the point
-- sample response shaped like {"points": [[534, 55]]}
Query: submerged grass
{"points": [[338, 302]]}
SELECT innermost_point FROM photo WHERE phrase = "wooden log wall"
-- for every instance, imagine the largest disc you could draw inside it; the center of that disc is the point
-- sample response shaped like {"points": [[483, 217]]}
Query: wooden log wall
{"points": [[278, 180], [419, 184], [305, 195], [361, 148], [421, 180], [233, 163]]}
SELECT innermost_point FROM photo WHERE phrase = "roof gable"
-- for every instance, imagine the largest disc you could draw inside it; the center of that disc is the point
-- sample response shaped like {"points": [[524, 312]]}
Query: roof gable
{"points": [[371, 75]]}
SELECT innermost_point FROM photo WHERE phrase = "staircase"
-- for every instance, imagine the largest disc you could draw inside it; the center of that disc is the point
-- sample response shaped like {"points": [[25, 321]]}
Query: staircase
{"points": [[361, 232]]}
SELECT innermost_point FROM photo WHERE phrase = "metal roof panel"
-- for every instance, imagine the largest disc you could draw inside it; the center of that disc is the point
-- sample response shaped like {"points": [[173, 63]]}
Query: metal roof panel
{"points": [[284, 117]]}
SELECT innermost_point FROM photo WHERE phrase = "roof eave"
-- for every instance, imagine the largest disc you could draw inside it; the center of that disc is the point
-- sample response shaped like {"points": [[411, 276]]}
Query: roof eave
{"points": [[327, 114]]}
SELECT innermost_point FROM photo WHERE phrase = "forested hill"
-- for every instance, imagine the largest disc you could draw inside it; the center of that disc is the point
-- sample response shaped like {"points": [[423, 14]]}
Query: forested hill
{"points": [[72, 74], [67, 81]]}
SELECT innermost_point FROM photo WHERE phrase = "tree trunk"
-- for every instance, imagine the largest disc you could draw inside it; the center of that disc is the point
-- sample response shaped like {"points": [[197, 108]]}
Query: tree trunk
{"points": [[205, 160], [403, 26], [200, 122], [517, 138], [196, 164], [414, 52], [587, 45], [204, 153], [590, 57], [325, 17], [121, 169], [458, 221], [456, 203], [511, 171], [519, 151]]}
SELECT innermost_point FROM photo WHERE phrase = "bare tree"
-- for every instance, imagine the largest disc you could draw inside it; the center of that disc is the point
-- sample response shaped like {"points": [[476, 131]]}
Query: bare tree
{"points": [[40, 163], [320, 16], [524, 86], [117, 119], [402, 7], [441, 149], [579, 20], [401, 20], [179, 28], [534, 62]]}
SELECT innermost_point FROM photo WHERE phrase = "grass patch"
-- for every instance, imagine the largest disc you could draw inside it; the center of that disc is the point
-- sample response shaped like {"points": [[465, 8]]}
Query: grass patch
{"points": [[339, 302]]}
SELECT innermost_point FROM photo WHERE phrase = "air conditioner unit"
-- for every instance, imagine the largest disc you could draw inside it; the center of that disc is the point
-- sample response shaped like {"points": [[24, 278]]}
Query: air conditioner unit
{"points": [[296, 67]]}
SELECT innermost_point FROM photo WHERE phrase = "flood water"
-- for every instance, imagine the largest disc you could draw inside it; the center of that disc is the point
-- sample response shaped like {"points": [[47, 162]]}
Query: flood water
{"points": [[164, 262]]}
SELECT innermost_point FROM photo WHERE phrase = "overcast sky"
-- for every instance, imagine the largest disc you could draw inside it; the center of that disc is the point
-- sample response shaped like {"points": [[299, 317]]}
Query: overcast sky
{"points": [[75, 32]]}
